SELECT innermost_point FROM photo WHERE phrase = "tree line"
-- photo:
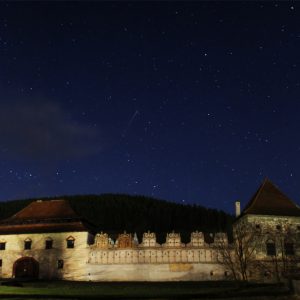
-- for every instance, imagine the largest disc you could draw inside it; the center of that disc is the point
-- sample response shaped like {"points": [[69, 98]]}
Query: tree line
{"points": [[115, 213]]}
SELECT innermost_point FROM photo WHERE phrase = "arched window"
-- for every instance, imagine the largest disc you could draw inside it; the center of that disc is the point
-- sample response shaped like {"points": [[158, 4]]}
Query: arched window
{"points": [[70, 242], [271, 248], [48, 243], [27, 244]]}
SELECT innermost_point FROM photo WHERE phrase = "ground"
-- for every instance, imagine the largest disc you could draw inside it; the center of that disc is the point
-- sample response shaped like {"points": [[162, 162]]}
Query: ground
{"points": [[142, 290]]}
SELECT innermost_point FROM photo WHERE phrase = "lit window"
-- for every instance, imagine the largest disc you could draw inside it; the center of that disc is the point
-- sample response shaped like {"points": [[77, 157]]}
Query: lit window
{"points": [[2, 245], [27, 244], [271, 249], [70, 242], [60, 264]]}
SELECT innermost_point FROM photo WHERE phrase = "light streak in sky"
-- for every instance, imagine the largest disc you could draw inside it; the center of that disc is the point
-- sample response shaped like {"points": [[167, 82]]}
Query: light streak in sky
{"points": [[125, 131]]}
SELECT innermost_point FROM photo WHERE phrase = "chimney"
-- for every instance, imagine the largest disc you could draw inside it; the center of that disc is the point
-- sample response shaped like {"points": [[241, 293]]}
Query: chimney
{"points": [[237, 208]]}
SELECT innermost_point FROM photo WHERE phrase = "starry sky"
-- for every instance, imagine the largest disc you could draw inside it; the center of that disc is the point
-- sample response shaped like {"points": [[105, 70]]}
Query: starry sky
{"points": [[192, 102]]}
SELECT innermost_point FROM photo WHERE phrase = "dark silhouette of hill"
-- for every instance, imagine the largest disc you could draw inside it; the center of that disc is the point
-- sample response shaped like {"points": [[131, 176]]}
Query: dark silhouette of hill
{"points": [[115, 213]]}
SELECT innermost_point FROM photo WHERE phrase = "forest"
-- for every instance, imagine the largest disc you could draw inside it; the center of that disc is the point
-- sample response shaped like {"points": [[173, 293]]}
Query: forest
{"points": [[116, 213]]}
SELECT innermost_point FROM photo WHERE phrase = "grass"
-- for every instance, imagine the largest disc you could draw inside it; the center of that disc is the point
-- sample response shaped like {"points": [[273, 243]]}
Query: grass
{"points": [[139, 290]]}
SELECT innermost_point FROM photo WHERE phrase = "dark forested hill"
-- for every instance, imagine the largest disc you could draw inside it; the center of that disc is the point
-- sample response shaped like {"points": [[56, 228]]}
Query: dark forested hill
{"points": [[115, 213]]}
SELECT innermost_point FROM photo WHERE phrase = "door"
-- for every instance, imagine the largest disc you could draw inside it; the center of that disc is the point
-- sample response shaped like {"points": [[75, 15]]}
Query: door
{"points": [[26, 267]]}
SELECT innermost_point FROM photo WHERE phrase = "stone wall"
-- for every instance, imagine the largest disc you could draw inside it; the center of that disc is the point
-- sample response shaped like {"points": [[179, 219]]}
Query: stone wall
{"points": [[154, 264], [107, 260], [156, 272], [127, 260], [156, 255], [277, 245], [278, 229]]}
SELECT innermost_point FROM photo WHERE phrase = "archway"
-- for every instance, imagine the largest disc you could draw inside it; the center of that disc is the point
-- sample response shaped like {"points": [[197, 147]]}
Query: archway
{"points": [[26, 267]]}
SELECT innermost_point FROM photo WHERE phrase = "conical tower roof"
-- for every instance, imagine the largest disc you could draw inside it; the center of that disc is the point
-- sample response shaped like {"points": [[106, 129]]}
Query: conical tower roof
{"points": [[269, 200]]}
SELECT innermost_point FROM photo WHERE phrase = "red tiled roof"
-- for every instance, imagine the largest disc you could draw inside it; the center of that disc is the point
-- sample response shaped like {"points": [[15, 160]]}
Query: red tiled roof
{"points": [[269, 200], [45, 216], [49, 209]]}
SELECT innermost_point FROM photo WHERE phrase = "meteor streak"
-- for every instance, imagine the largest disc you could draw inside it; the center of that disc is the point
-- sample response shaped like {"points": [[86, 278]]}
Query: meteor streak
{"points": [[129, 123]]}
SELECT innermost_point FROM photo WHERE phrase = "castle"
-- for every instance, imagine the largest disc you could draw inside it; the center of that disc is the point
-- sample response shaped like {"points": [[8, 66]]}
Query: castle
{"points": [[48, 240]]}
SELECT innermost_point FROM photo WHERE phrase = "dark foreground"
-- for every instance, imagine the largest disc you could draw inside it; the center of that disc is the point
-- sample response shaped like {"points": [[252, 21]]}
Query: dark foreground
{"points": [[141, 290]]}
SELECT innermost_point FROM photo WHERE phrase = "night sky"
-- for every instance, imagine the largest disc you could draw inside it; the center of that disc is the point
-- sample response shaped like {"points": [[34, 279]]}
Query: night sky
{"points": [[189, 102]]}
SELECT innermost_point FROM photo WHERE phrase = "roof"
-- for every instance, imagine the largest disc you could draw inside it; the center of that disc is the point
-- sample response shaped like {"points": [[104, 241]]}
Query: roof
{"points": [[49, 209], [269, 200], [45, 216]]}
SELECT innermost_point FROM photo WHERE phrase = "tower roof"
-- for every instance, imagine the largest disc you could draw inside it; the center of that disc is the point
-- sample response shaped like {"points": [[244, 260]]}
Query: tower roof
{"points": [[269, 200], [45, 216]]}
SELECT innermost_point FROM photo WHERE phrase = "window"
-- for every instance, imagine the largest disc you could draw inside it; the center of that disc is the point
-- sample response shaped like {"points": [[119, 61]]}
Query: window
{"points": [[267, 274], [289, 248], [27, 244], [257, 226], [271, 249], [2, 246], [278, 227], [0, 263], [70, 242], [60, 264], [49, 244]]}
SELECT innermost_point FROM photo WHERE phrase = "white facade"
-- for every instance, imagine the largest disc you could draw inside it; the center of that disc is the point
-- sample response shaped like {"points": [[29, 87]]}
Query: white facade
{"points": [[106, 261], [74, 259]]}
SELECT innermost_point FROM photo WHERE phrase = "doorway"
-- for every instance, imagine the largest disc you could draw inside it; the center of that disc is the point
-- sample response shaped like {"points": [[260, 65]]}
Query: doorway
{"points": [[26, 267]]}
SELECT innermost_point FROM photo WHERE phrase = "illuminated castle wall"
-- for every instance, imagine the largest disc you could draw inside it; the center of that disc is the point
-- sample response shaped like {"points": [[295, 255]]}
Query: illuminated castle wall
{"points": [[149, 260], [71, 256]]}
